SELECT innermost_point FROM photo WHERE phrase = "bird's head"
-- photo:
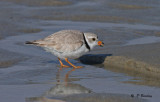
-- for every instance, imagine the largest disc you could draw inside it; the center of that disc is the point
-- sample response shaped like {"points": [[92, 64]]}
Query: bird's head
{"points": [[92, 40]]}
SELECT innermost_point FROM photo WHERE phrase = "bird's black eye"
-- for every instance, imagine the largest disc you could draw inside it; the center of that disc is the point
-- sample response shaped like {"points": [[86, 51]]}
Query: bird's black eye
{"points": [[93, 39]]}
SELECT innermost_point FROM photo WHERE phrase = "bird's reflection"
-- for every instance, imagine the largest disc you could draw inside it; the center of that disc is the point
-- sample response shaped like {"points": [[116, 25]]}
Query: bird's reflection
{"points": [[61, 89], [66, 76], [66, 88]]}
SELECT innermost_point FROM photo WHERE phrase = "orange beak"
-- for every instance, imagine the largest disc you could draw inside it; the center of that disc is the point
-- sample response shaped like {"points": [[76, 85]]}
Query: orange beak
{"points": [[100, 43]]}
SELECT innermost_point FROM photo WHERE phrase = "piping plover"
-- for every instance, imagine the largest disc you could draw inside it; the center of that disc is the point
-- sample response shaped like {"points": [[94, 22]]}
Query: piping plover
{"points": [[68, 44]]}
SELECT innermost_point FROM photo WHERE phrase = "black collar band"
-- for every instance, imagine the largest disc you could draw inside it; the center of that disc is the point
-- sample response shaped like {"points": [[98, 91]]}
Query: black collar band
{"points": [[87, 46]]}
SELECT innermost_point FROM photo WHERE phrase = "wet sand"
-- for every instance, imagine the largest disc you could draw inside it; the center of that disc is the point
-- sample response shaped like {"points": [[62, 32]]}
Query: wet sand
{"points": [[127, 64]]}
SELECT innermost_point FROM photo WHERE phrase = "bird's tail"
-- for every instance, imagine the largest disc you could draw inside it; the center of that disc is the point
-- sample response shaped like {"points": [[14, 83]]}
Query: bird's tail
{"points": [[30, 42]]}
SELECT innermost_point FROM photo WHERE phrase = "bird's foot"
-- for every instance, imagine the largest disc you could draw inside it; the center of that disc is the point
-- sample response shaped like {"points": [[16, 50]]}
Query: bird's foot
{"points": [[64, 66], [77, 67]]}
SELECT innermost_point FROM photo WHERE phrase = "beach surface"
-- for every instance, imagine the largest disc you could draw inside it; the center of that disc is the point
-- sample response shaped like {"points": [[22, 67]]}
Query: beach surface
{"points": [[126, 69]]}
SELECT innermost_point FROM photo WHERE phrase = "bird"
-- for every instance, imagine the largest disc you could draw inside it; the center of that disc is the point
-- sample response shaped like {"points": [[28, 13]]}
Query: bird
{"points": [[68, 44]]}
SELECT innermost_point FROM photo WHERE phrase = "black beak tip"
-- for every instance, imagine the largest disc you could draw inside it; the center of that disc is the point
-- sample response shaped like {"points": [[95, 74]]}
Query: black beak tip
{"points": [[102, 44]]}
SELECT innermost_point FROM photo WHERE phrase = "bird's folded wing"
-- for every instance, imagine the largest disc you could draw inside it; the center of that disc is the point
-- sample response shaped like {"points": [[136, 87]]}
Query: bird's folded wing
{"points": [[66, 37], [63, 41]]}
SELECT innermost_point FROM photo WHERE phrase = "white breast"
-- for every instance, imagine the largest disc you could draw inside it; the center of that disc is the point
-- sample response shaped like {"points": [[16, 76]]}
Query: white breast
{"points": [[73, 55]]}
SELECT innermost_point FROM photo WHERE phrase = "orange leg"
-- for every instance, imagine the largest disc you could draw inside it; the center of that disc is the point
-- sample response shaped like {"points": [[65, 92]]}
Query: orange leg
{"points": [[72, 64], [62, 65], [67, 75]]}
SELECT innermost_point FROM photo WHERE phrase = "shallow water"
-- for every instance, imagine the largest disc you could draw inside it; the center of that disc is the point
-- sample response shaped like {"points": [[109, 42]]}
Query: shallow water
{"points": [[144, 40], [29, 74]]}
